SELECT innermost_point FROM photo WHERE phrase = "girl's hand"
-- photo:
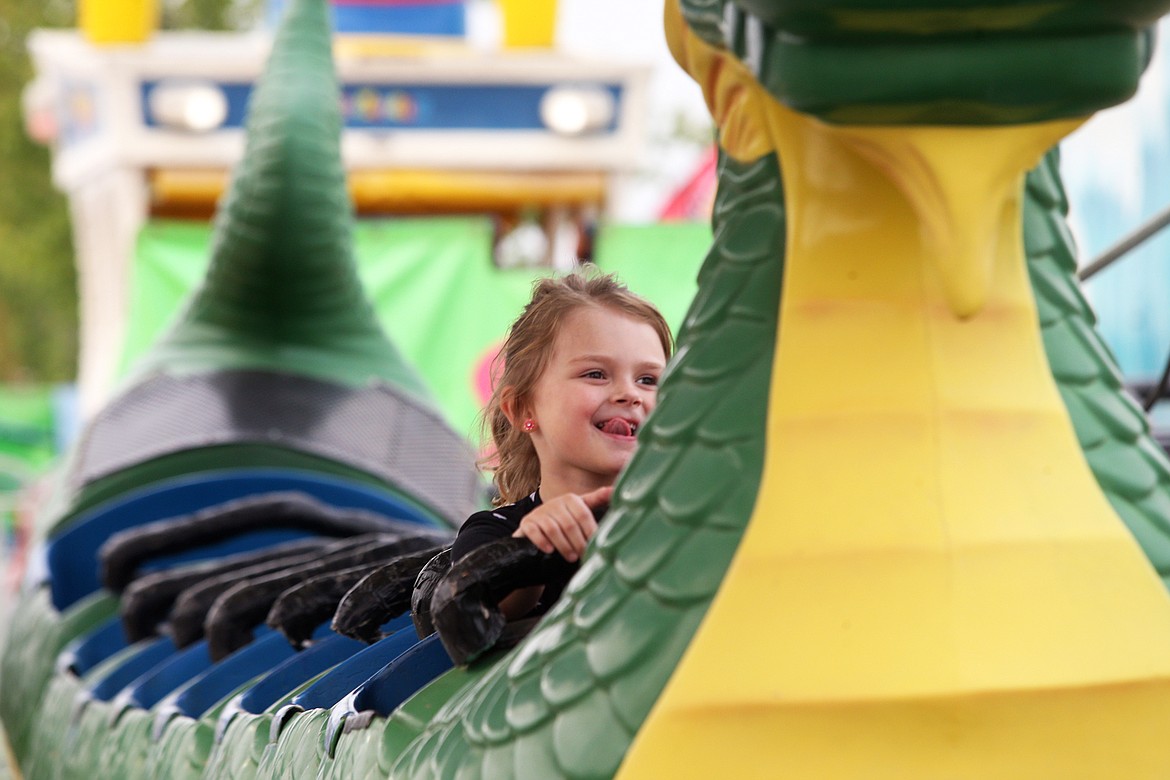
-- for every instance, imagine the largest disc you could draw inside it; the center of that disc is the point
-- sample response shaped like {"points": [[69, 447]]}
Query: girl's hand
{"points": [[564, 524]]}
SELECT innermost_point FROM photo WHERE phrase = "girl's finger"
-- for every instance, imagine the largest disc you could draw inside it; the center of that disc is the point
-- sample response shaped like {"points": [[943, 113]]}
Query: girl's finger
{"points": [[532, 533], [583, 519], [577, 539], [595, 499], [556, 533], [544, 523]]}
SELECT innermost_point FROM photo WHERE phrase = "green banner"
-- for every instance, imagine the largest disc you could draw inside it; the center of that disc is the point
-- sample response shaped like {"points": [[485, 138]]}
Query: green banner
{"points": [[27, 440], [435, 288]]}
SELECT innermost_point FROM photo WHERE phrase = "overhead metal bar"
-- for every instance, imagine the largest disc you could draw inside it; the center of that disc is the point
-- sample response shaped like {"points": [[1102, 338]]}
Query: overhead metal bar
{"points": [[1133, 240]]}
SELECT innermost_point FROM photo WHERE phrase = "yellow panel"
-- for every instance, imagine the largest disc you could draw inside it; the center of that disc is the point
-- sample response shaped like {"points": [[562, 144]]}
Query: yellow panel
{"points": [[406, 191], [529, 23], [1027, 735], [117, 21], [360, 46]]}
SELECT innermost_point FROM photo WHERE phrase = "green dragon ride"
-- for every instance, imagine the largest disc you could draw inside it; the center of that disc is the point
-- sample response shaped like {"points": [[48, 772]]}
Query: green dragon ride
{"points": [[572, 700]]}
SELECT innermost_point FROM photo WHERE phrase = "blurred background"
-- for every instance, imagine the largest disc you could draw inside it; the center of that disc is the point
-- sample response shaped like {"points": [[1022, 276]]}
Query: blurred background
{"points": [[488, 141]]}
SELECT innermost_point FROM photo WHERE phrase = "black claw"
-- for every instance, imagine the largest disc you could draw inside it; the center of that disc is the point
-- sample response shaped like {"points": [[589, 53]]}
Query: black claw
{"points": [[424, 589], [123, 553], [231, 619], [381, 596], [148, 599], [465, 605]]}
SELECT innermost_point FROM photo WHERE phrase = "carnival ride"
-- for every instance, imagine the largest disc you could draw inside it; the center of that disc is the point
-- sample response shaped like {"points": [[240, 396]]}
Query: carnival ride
{"points": [[865, 534]]}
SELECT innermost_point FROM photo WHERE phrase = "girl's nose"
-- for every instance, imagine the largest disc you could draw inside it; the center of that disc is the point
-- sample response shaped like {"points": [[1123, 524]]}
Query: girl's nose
{"points": [[627, 395]]}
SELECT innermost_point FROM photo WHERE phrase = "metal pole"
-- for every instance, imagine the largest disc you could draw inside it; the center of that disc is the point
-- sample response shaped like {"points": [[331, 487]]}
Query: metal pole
{"points": [[1103, 261]]}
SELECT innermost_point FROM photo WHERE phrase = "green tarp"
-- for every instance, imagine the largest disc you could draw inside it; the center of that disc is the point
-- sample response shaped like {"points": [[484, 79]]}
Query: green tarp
{"points": [[27, 440], [434, 286]]}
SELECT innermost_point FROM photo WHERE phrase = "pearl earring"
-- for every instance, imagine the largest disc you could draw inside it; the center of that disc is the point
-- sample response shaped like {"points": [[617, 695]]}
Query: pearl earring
{"points": [[529, 425]]}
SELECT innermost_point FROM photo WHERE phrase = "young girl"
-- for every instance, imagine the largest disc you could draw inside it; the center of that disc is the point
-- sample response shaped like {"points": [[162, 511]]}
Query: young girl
{"points": [[580, 375]]}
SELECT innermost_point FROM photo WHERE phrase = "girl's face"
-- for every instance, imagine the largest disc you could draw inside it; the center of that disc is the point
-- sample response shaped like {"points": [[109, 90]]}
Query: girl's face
{"points": [[600, 384]]}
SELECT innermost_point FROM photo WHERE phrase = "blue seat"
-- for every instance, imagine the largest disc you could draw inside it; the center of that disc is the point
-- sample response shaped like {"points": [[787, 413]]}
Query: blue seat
{"points": [[403, 677], [151, 687], [71, 564], [152, 652], [289, 674], [213, 685], [351, 673], [315, 659], [324, 654], [389, 687], [89, 650], [207, 688]]}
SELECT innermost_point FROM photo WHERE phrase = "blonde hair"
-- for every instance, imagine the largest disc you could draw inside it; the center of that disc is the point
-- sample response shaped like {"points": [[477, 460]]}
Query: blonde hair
{"points": [[525, 355]]}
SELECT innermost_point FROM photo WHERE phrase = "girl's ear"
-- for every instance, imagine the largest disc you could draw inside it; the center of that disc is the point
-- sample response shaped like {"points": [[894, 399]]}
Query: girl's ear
{"points": [[511, 407]]}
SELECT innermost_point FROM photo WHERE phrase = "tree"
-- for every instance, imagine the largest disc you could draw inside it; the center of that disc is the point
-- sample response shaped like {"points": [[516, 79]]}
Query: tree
{"points": [[38, 319], [209, 14], [38, 293]]}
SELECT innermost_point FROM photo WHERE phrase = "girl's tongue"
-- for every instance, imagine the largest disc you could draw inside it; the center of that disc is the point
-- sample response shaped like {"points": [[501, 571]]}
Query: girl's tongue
{"points": [[618, 427]]}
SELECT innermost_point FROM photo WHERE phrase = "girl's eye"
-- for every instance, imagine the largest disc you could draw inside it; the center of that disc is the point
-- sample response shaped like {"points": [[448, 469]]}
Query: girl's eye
{"points": [[594, 375], [648, 380]]}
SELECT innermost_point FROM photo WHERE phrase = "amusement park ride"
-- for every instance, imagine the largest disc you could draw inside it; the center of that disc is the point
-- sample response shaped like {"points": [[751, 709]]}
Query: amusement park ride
{"points": [[894, 515]]}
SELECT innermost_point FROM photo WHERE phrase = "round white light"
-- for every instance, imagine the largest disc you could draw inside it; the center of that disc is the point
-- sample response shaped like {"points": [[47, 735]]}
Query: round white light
{"points": [[195, 106], [576, 110]]}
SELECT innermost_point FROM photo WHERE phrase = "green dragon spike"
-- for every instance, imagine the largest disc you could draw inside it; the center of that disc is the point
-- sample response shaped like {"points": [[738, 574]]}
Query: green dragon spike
{"points": [[282, 291]]}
